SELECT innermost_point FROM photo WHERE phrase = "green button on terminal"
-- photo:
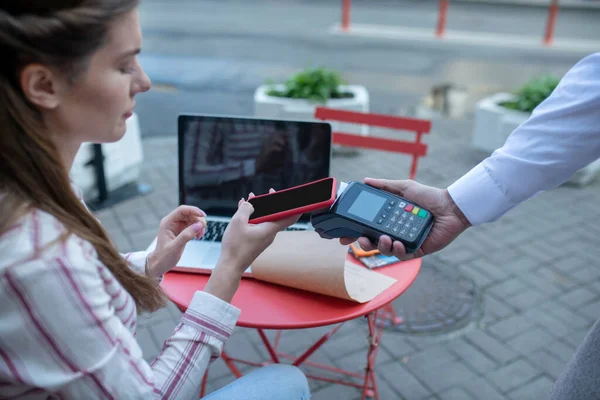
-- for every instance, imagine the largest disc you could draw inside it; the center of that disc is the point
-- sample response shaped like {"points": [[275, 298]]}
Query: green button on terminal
{"points": [[422, 213]]}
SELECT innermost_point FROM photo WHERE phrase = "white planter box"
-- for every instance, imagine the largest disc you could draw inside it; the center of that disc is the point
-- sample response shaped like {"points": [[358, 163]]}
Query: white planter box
{"points": [[494, 124], [122, 162], [266, 106]]}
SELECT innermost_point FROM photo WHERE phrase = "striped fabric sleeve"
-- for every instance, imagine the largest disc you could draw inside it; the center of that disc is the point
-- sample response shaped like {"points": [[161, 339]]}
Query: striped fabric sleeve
{"points": [[137, 262], [60, 335]]}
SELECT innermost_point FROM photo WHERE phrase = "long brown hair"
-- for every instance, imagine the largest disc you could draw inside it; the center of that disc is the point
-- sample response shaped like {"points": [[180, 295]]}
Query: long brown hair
{"points": [[62, 34]]}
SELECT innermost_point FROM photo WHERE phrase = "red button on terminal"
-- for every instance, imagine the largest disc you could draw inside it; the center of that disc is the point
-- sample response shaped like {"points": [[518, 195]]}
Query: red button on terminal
{"points": [[409, 208]]}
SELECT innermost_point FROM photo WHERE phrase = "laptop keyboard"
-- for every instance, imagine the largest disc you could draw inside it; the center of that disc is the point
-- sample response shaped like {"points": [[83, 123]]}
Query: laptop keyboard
{"points": [[216, 229]]}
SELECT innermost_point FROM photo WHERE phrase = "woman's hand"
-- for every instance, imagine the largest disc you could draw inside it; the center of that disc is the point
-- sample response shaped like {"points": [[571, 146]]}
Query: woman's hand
{"points": [[242, 243], [175, 230]]}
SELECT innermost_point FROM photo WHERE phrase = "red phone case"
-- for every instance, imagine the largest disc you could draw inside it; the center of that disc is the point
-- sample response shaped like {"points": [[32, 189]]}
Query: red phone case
{"points": [[299, 210]]}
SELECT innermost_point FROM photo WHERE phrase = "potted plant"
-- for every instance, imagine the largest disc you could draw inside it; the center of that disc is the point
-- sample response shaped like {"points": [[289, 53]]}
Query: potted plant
{"points": [[300, 94], [497, 116]]}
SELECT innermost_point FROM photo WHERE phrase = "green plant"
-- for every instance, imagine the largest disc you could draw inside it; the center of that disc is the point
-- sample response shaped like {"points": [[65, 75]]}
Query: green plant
{"points": [[315, 84], [530, 95]]}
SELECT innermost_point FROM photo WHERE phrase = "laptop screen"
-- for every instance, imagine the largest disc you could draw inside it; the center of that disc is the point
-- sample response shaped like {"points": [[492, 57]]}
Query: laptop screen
{"points": [[222, 159]]}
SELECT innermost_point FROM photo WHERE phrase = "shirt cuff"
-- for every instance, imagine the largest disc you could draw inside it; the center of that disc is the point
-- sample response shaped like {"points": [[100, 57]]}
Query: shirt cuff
{"points": [[479, 197], [137, 261], [212, 315]]}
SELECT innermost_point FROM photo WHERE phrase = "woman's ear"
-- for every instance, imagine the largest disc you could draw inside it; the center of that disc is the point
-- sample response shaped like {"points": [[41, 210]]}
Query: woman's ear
{"points": [[40, 86]]}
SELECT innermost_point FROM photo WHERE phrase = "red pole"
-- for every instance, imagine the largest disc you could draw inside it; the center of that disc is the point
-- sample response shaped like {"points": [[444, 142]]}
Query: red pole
{"points": [[441, 25], [345, 14], [552, 12]]}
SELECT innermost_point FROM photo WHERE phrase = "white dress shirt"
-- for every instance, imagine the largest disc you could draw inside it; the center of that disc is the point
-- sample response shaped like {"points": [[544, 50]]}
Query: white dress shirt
{"points": [[561, 136]]}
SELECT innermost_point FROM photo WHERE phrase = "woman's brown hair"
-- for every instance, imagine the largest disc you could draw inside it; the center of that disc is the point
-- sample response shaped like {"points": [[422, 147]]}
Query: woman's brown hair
{"points": [[62, 34]]}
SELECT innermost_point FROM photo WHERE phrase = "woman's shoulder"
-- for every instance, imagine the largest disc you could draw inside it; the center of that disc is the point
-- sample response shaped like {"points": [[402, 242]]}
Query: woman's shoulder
{"points": [[39, 235]]}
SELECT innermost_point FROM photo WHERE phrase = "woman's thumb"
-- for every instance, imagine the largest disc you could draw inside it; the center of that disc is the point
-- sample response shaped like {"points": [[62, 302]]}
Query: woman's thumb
{"points": [[189, 233]]}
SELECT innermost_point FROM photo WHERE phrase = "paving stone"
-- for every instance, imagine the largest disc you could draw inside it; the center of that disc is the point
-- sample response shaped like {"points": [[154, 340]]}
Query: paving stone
{"points": [[587, 274], [142, 239], [480, 279], [565, 314], [523, 301], [455, 394], [576, 337], [514, 375], [530, 341], [542, 252], [122, 242], [500, 257], [541, 283], [480, 388], [478, 361], [547, 362], [491, 346], [538, 389], [396, 345], [162, 330], [431, 357], [548, 322], [356, 362], [569, 264], [496, 307], [335, 391], [521, 264], [593, 286], [149, 347], [385, 391], [564, 281], [577, 297], [337, 347], [444, 376], [403, 382], [508, 288], [592, 310], [240, 346], [510, 327], [562, 350], [218, 370]]}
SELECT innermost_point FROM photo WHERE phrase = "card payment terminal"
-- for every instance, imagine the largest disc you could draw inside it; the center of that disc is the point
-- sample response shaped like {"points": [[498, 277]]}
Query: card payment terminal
{"points": [[362, 210]]}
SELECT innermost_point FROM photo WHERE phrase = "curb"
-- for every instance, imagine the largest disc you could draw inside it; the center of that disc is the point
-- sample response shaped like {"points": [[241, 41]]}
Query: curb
{"points": [[571, 4]]}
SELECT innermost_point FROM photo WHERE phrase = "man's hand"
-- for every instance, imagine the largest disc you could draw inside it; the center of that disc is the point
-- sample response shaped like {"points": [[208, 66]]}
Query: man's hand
{"points": [[449, 220], [273, 153]]}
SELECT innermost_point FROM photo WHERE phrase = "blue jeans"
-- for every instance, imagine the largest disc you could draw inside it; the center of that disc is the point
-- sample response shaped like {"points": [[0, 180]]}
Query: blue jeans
{"points": [[273, 382]]}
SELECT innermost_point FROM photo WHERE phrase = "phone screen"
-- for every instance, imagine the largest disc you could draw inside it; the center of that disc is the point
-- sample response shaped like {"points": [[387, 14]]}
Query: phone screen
{"points": [[290, 199]]}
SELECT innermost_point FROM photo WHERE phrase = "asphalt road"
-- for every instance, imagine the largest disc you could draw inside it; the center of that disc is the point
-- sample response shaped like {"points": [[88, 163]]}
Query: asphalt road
{"points": [[210, 55]]}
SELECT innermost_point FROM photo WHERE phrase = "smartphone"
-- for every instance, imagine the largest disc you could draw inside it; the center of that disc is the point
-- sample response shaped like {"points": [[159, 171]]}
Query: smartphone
{"points": [[300, 199]]}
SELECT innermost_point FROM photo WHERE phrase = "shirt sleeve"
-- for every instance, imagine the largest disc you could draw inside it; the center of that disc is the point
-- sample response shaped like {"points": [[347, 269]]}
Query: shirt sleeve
{"points": [[561, 136], [60, 335]]}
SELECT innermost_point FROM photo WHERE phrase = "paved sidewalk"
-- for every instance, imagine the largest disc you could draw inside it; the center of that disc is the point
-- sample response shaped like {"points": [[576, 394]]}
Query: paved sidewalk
{"points": [[537, 270]]}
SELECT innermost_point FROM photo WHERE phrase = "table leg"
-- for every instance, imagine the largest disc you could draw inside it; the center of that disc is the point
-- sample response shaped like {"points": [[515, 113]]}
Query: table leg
{"points": [[375, 333], [365, 381], [204, 380], [229, 362], [390, 315], [270, 349]]}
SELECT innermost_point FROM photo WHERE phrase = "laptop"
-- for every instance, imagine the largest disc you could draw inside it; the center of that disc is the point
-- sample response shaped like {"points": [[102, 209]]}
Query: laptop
{"points": [[224, 158]]}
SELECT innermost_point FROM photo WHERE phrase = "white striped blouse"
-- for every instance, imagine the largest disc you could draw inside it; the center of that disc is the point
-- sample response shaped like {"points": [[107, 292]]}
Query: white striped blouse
{"points": [[67, 326]]}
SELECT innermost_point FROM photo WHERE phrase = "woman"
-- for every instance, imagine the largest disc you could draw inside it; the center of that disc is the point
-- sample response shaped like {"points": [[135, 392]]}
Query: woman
{"points": [[68, 299]]}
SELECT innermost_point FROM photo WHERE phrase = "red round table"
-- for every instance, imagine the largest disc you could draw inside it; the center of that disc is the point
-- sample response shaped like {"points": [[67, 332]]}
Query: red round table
{"points": [[268, 306]]}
